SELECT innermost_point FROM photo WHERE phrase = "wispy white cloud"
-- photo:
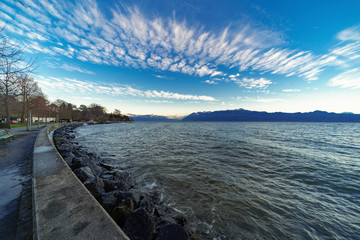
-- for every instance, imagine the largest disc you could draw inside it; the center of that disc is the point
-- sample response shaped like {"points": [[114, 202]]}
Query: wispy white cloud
{"points": [[70, 68], [130, 38], [211, 82], [350, 34], [92, 99], [159, 76], [348, 79], [35, 46], [9, 10], [5, 17], [170, 95], [76, 86], [258, 99], [291, 90], [36, 36], [251, 83], [158, 101]]}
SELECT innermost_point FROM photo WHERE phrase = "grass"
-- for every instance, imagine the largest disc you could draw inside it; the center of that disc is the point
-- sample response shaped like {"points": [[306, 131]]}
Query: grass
{"points": [[16, 125]]}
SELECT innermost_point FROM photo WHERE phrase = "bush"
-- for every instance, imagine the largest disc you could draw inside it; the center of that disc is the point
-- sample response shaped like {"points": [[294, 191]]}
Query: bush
{"points": [[3, 125]]}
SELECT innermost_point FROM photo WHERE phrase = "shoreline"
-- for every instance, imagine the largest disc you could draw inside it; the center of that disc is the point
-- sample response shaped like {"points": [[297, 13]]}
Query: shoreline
{"points": [[119, 194]]}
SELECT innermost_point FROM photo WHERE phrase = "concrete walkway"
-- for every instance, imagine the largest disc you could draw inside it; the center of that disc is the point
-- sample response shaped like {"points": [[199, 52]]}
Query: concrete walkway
{"points": [[15, 184], [63, 208]]}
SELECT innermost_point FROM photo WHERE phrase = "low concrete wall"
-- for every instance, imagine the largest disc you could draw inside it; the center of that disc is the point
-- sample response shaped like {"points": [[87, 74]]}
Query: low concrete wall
{"points": [[63, 207]]}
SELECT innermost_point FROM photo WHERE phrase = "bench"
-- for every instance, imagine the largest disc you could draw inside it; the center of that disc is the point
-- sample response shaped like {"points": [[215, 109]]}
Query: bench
{"points": [[5, 135]]}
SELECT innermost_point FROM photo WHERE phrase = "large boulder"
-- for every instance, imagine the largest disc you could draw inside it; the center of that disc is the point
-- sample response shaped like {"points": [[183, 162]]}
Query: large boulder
{"points": [[78, 162], [119, 176], [96, 169], [68, 160], [122, 211], [161, 210], [173, 232], [148, 200], [162, 221], [60, 139], [132, 195], [140, 225], [108, 201], [65, 147], [111, 185], [95, 187], [107, 166], [84, 173]]}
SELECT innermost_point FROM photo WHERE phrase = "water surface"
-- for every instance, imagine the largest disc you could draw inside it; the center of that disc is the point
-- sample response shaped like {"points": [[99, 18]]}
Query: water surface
{"points": [[238, 180]]}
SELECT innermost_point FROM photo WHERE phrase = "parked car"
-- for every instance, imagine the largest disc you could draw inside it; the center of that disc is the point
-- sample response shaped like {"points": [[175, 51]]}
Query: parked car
{"points": [[13, 122]]}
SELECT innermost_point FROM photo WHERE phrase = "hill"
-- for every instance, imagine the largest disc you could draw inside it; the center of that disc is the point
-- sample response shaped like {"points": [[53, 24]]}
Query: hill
{"points": [[152, 118], [242, 115]]}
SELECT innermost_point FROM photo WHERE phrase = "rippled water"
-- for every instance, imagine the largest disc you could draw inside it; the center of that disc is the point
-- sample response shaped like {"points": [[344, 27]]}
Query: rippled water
{"points": [[245, 180]]}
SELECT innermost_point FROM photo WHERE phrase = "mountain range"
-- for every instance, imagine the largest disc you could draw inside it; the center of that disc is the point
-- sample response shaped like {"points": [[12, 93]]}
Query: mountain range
{"points": [[260, 116]]}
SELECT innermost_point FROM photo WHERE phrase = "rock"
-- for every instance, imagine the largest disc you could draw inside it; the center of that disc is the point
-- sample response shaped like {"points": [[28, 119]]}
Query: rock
{"points": [[173, 232], [192, 235], [114, 185], [161, 210], [65, 147], [67, 154], [147, 205], [122, 211], [108, 201], [148, 200], [68, 160], [133, 196], [60, 140], [107, 166], [84, 173], [78, 162], [106, 175], [119, 176], [162, 221], [96, 169], [95, 187], [140, 225], [79, 152]]}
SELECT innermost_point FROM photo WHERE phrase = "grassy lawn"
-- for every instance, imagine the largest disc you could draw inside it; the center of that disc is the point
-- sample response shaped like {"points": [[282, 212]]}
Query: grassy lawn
{"points": [[16, 125]]}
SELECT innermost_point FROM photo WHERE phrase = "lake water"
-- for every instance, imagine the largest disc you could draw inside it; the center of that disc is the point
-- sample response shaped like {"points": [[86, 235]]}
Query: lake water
{"points": [[239, 180]]}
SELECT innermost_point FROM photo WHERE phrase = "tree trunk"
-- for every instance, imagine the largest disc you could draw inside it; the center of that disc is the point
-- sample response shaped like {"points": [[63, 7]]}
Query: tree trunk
{"points": [[28, 122], [7, 111], [23, 111]]}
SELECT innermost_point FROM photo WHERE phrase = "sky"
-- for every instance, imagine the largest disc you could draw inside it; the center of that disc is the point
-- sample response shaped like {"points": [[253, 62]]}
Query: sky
{"points": [[175, 57]]}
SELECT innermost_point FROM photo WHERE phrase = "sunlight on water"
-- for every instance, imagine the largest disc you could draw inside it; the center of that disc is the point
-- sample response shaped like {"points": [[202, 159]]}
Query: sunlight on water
{"points": [[245, 180]]}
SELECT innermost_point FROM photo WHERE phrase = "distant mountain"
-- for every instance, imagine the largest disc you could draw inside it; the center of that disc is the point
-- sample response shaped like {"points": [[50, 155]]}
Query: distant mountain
{"points": [[243, 115], [152, 118]]}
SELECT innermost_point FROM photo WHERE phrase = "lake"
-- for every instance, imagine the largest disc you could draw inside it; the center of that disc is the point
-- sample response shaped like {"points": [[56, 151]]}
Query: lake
{"points": [[244, 180]]}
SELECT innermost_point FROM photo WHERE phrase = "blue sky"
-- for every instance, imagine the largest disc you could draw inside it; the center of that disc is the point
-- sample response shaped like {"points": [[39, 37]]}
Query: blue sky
{"points": [[177, 57]]}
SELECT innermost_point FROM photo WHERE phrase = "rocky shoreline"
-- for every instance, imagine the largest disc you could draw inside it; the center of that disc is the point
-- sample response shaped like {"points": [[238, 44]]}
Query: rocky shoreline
{"points": [[138, 211]]}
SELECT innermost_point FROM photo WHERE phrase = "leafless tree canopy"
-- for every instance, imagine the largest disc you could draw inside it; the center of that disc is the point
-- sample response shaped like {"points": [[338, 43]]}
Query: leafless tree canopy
{"points": [[21, 95], [12, 65]]}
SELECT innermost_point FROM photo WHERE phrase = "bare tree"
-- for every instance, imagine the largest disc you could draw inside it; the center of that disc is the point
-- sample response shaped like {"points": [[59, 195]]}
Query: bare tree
{"points": [[39, 106], [97, 112], [12, 64], [29, 92]]}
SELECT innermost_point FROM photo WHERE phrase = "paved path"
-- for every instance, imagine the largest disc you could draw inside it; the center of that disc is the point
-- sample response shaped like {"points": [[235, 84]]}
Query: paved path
{"points": [[15, 185]]}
